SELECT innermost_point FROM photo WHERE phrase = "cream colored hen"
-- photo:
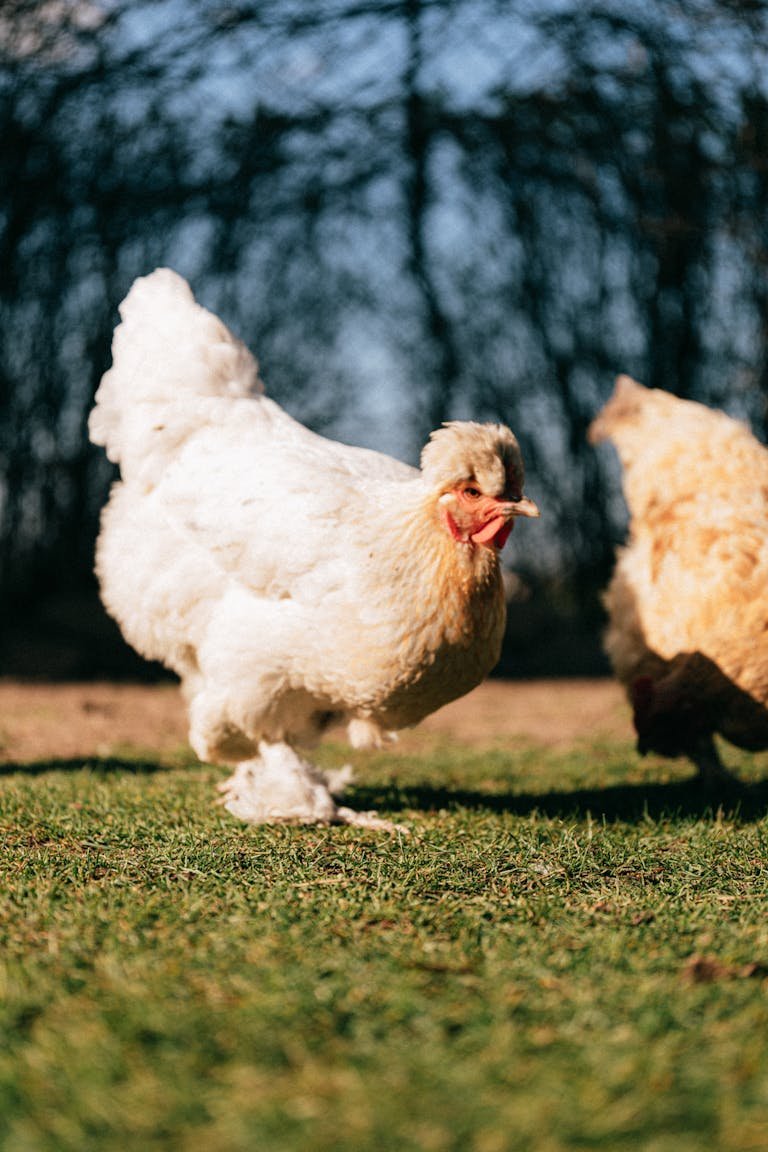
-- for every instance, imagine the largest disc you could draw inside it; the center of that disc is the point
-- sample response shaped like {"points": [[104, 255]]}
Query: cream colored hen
{"points": [[284, 577], [688, 601]]}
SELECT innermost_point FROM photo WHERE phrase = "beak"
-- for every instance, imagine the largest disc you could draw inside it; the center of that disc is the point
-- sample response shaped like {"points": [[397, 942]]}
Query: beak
{"points": [[499, 517], [522, 507]]}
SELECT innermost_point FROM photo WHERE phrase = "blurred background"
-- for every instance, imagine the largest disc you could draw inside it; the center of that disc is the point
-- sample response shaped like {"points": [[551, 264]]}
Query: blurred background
{"points": [[411, 210]]}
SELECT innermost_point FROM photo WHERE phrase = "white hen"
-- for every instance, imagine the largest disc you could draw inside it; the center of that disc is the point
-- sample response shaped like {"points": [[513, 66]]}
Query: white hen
{"points": [[284, 577]]}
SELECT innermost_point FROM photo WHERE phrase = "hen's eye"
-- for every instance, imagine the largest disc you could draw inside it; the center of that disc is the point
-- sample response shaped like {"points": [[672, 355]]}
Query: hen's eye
{"points": [[473, 493]]}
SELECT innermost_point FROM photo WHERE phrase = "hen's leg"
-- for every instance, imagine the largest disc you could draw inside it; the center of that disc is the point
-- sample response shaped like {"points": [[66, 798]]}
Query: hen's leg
{"points": [[278, 786], [709, 766]]}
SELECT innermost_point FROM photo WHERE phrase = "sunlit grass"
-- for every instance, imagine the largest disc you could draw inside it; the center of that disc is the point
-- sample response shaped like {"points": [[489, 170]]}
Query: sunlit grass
{"points": [[569, 951]]}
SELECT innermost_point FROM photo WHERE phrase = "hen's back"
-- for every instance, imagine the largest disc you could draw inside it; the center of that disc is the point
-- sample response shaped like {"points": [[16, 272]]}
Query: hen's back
{"points": [[219, 486], [172, 360], [176, 371]]}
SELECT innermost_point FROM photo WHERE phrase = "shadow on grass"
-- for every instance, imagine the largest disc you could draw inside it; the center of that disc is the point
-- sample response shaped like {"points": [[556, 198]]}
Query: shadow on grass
{"points": [[627, 802], [91, 764]]}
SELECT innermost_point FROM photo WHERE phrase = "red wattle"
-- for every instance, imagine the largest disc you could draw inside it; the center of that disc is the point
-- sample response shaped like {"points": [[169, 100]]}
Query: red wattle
{"points": [[503, 534], [496, 531]]}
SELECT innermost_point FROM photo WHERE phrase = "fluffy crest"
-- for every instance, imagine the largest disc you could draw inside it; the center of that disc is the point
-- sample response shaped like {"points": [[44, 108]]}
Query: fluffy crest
{"points": [[464, 450]]}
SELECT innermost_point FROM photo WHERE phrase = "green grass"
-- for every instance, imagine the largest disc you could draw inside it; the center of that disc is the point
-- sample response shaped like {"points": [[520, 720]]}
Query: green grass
{"points": [[518, 974]]}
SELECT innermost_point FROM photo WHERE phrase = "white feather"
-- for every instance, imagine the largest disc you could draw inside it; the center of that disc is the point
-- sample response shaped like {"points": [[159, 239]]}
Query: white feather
{"points": [[281, 574]]}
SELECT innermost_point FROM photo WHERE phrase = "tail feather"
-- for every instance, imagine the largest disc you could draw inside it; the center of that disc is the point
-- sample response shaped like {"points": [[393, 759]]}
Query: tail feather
{"points": [[169, 356]]}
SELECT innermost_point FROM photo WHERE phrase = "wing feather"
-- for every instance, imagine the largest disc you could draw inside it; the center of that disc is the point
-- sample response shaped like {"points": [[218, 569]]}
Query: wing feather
{"points": [[274, 505]]}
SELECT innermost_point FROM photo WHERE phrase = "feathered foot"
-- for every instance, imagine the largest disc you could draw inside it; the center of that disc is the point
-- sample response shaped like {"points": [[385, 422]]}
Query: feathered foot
{"points": [[278, 787]]}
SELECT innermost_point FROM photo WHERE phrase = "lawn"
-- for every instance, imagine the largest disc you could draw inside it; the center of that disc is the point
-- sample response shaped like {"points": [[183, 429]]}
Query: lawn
{"points": [[570, 951]]}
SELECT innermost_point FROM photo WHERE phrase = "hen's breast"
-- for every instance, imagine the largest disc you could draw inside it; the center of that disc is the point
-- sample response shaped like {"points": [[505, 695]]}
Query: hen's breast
{"points": [[426, 629]]}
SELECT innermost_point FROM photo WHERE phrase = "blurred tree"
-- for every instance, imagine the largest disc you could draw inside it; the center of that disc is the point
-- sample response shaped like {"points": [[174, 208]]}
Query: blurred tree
{"points": [[411, 209]]}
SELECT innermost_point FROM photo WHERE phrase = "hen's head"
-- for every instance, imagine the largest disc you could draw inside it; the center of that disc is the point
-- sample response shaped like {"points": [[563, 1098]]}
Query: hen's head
{"points": [[667, 445], [476, 471], [638, 420]]}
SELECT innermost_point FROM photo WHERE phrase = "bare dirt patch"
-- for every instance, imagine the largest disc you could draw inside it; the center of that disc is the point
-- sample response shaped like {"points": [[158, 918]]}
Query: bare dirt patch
{"points": [[551, 712], [61, 721]]}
